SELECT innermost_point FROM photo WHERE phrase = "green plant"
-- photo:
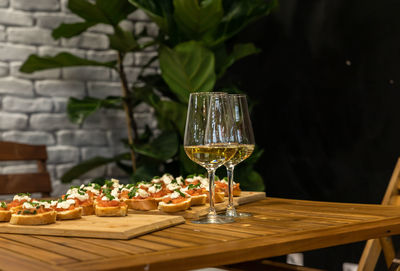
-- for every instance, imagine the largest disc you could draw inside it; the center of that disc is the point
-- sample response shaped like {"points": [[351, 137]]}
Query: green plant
{"points": [[193, 56]]}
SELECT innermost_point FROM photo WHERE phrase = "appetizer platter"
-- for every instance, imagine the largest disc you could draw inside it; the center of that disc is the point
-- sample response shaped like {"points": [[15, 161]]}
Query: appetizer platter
{"points": [[116, 210]]}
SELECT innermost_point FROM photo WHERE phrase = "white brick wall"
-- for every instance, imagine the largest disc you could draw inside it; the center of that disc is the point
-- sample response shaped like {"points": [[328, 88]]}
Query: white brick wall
{"points": [[33, 106]]}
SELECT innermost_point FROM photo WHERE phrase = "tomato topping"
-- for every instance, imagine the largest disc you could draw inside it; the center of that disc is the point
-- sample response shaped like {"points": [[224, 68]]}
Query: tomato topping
{"points": [[158, 194], [110, 203], [174, 201], [16, 203]]}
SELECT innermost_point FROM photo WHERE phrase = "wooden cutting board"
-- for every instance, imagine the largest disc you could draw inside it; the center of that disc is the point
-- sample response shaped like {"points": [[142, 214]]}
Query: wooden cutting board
{"points": [[99, 227], [195, 212]]}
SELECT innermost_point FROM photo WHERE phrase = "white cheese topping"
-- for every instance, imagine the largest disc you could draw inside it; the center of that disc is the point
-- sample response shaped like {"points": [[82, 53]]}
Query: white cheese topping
{"points": [[155, 189], [93, 190], [73, 194], [28, 205], [156, 180], [114, 193], [145, 184], [45, 204], [167, 178], [20, 198], [142, 193], [173, 186], [180, 180], [65, 204]]}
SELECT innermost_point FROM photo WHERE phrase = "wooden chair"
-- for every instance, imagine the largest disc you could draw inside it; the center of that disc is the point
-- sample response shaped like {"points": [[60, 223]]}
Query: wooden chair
{"points": [[25, 182]]}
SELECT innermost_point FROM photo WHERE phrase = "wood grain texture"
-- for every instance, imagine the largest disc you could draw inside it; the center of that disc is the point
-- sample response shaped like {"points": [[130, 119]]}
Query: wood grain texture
{"points": [[278, 227], [11, 151], [98, 227]]}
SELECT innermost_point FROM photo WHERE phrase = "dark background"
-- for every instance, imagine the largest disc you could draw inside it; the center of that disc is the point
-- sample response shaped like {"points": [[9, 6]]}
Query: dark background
{"points": [[327, 84]]}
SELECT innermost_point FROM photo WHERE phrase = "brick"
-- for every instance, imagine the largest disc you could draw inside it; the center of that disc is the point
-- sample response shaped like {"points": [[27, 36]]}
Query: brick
{"points": [[90, 152], [2, 33], [60, 104], [129, 59], [37, 5], [60, 88], [50, 122], [127, 25], [103, 89], [109, 121], [10, 121], [142, 59], [45, 74], [13, 52], [102, 28], [143, 108], [138, 15], [51, 169], [60, 188], [16, 104], [31, 35], [150, 28], [3, 69], [64, 6], [30, 137], [62, 154], [116, 135], [81, 138], [114, 171], [95, 173], [10, 17], [20, 169], [87, 73], [132, 74], [51, 21], [87, 41], [61, 170], [3, 3], [14, 86], [102, 56], [52, 51]]}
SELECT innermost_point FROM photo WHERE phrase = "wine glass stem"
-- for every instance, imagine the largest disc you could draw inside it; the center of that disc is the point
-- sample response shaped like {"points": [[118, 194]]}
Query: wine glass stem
{"points": [[229, 173], [211, 175]]}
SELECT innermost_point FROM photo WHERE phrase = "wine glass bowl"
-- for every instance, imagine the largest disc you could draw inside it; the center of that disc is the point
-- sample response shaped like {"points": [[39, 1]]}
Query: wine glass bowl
{"points": [[210, 139]]}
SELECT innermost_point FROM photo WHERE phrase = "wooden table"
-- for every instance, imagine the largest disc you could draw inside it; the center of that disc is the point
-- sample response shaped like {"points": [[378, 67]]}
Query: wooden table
{"points": [[279, 227]]}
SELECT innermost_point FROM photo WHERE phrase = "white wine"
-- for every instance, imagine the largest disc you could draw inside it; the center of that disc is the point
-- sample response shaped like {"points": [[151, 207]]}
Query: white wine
{"points": [[212, 155], [242, 153]]}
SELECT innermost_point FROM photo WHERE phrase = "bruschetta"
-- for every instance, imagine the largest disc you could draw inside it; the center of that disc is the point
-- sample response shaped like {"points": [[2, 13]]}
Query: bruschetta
{"points": [[5, 214], [66, 209], [197, 193], [222, 185], [140, 199], [17, 202], [109, 204], [175, 202], [34, 213], [82, 199]]}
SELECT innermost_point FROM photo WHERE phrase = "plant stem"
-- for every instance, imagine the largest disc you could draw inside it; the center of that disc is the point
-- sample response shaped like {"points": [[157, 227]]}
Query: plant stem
{"points": [[130, 121]]}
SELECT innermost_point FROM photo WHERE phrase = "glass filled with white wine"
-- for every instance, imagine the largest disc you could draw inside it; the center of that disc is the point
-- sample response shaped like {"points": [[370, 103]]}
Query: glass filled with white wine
{"points": [[245, 145], [209, 140]]}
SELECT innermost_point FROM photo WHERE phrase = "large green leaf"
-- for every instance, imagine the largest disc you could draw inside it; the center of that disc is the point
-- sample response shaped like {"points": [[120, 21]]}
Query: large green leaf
{"points": [[87, 11], [84, 167], [249, 179], [197, 17], [102, 11], [159, 11], [71, 30], [189, 67], [164, 147], [61, 60], [122, 41], [238, 14], [116, 10], [239, 51], [79, 110]]}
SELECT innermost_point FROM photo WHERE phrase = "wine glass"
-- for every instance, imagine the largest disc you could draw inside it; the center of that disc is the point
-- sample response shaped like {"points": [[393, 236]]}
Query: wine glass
{"points": [[245, 145], [209, 140]]}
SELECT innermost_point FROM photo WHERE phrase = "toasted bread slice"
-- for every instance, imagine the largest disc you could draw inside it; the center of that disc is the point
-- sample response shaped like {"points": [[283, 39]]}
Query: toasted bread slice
{"points": [[174, 207], [70, 214], [111, 211], [219, 196], [5, 215], [142, 204], [87, 210], [38, 219], [199, 200]]}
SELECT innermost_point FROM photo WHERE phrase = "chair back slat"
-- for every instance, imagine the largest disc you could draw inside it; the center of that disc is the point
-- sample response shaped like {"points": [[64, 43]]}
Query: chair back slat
{"points": [[25, 182], [39, 182], [10, 151]]}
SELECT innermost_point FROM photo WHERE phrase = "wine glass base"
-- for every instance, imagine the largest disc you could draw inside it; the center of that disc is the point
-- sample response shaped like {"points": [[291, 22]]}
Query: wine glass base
{"points": [[214, 220], [238, 215]]}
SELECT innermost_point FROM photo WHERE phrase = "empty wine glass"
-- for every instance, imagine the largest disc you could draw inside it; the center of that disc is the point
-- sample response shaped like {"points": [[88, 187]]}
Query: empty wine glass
{"points": [[245, 145], [209, 140]]}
